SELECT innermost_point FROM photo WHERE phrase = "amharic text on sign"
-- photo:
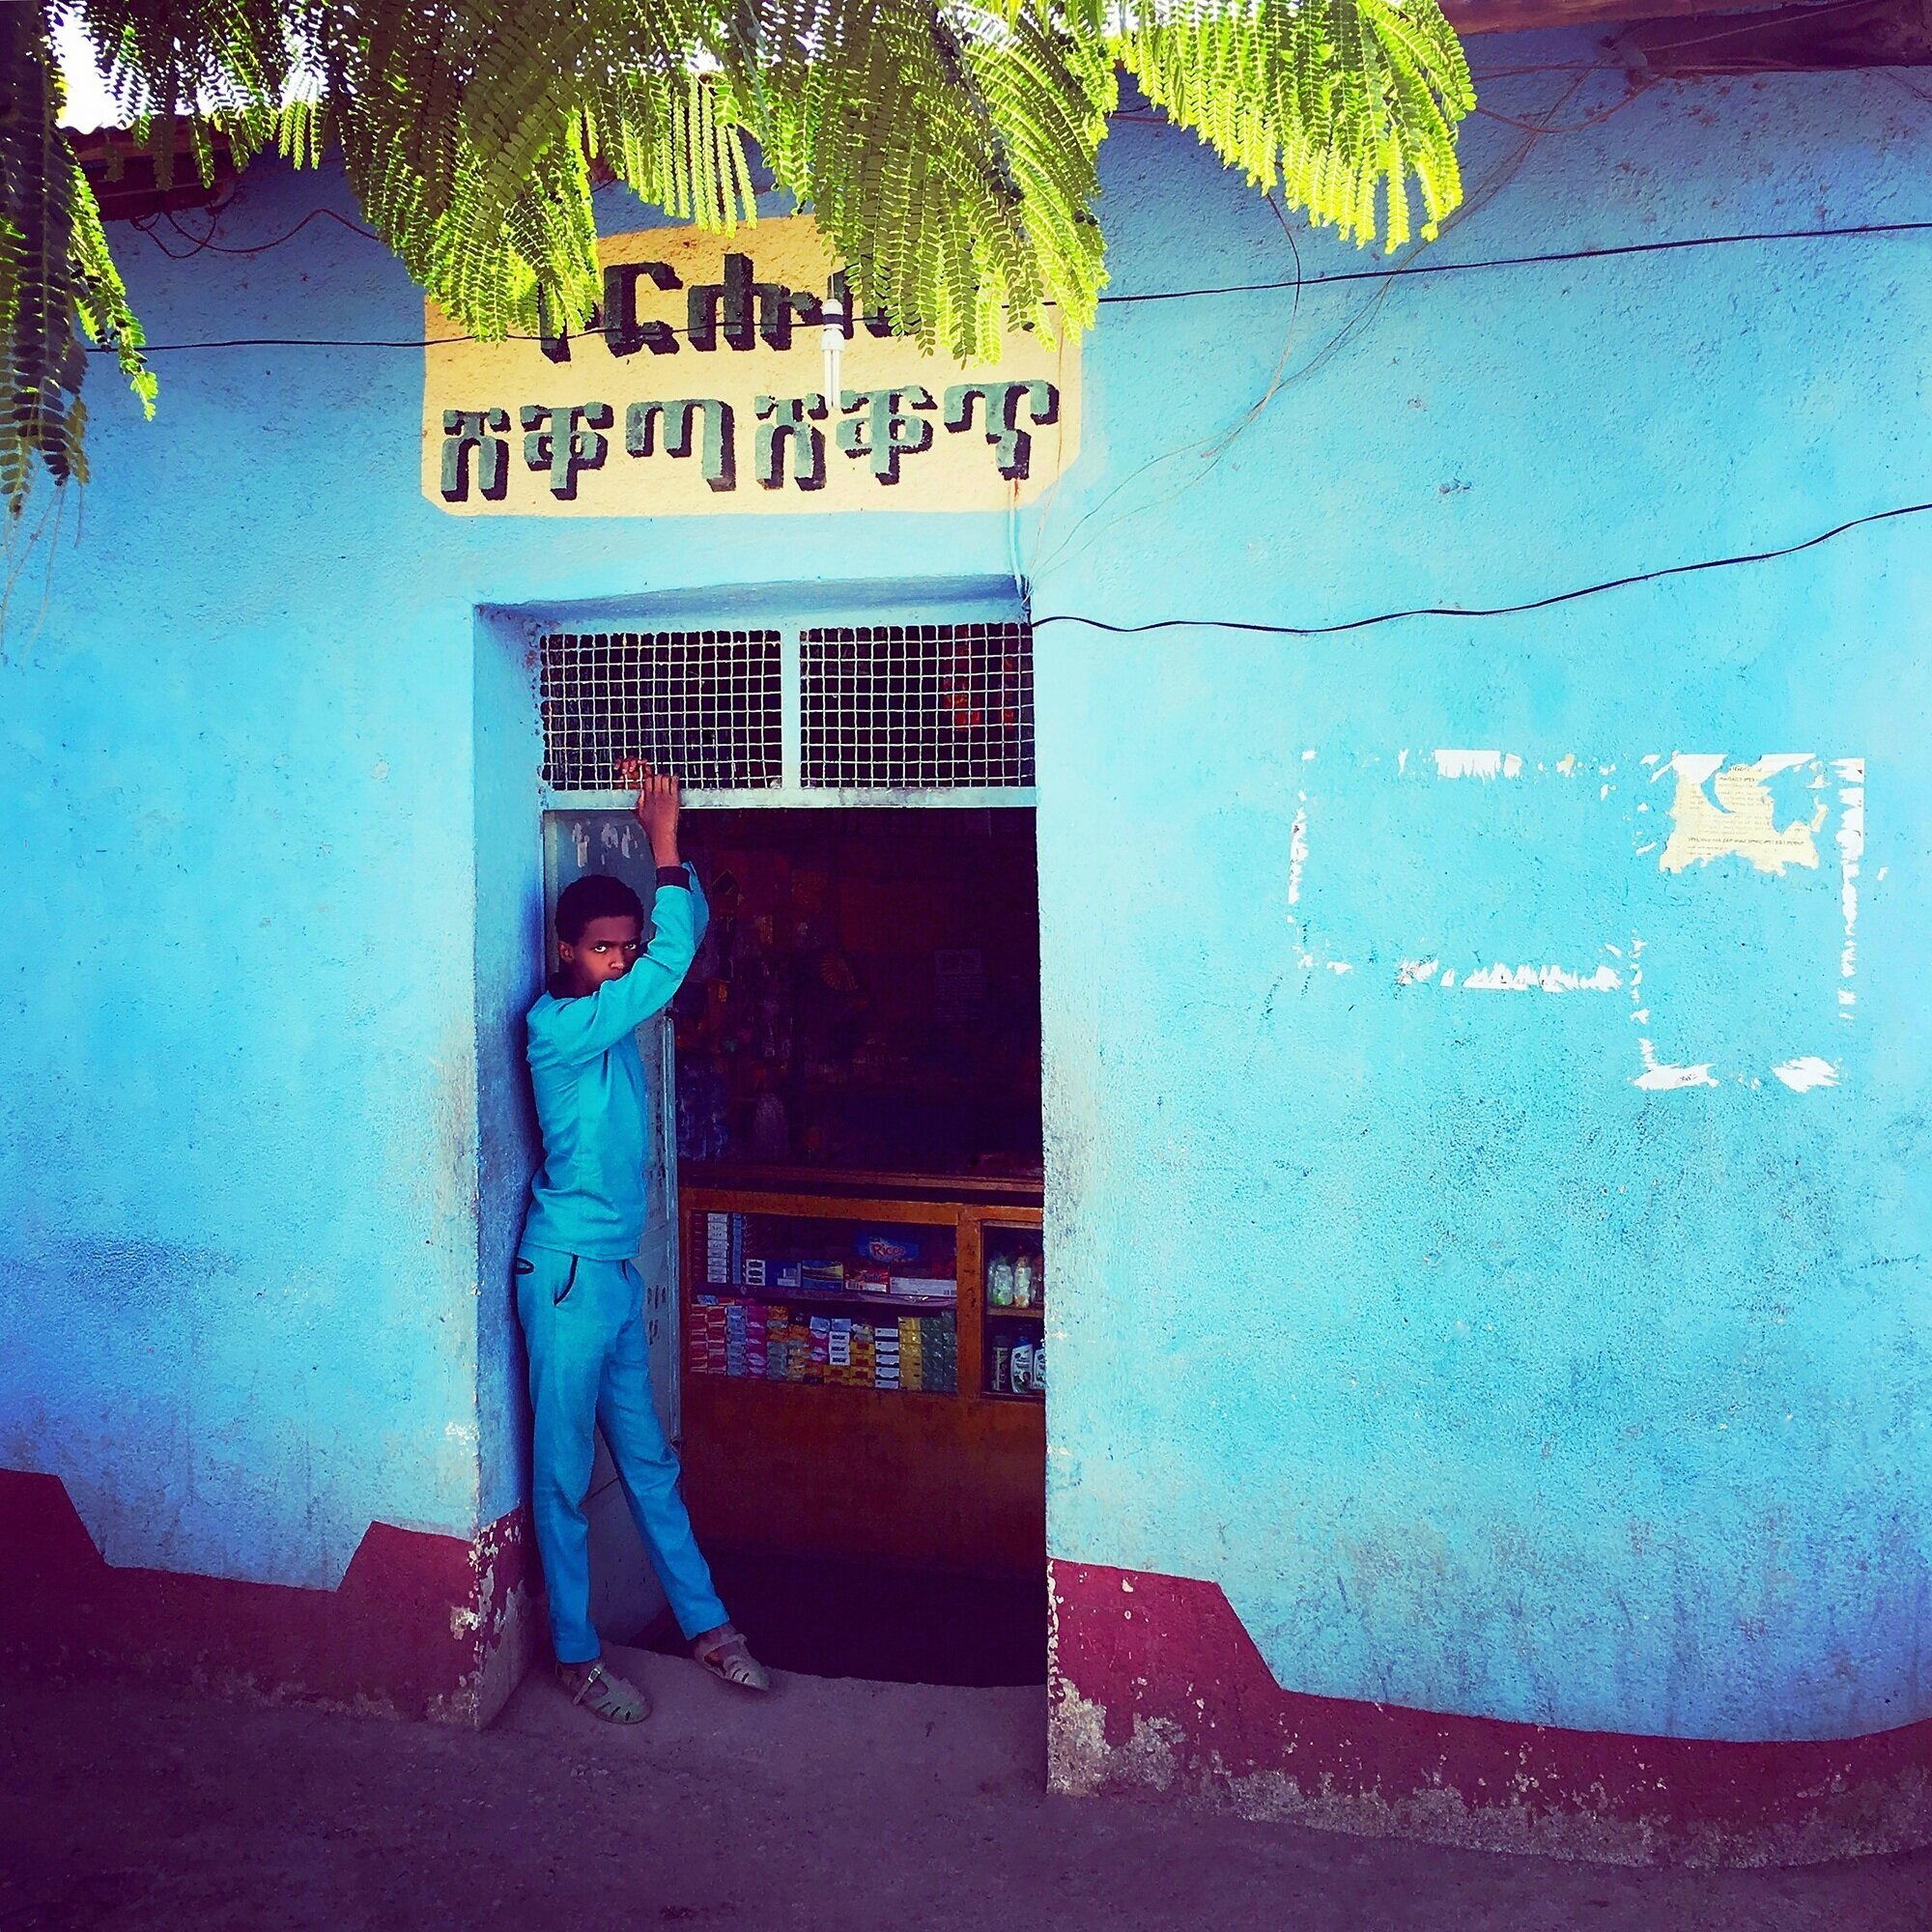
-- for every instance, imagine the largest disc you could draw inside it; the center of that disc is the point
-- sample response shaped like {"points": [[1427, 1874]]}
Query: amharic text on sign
{"points": [[736, 375]]}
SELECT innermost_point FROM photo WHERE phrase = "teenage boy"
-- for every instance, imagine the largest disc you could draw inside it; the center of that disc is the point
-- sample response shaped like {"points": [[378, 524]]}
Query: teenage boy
{"points": [[579, 1294]]}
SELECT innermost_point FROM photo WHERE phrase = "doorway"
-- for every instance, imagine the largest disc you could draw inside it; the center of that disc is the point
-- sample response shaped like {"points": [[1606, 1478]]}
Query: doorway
{"points": [[859, 1104], [851, 1350]]}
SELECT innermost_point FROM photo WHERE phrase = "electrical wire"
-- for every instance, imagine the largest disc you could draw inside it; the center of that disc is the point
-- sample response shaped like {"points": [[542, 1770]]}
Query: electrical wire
{"points": [[1211, 451], [1546, 603], [1555, 258], [1493, 184], [261, 247], [1602, 114], [1634, 90], [1666, 46], [206, 244]]}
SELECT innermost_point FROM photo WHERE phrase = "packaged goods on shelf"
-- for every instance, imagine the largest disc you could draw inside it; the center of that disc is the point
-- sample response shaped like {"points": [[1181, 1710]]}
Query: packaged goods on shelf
{"points": [[868, 1281], [824, 1277], [724, 1243], [939, 1354], [788, 1349], [876, 1245], [925, 1287], [706, 1344], [742, 1337], [860, 1361], [1027, 1281], [1015, 1361]]}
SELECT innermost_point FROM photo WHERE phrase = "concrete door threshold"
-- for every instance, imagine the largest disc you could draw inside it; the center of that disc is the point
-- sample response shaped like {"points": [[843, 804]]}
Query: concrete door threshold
{"points": [[826, 1733]]}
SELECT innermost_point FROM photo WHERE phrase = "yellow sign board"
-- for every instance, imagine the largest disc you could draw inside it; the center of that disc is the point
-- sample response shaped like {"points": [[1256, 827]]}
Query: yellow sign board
{"points": [[733, 374]]}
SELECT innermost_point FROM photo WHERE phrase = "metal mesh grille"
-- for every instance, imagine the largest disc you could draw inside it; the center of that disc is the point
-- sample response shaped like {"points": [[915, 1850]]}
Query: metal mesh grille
{"points": [[701, 704], [917, 706]]}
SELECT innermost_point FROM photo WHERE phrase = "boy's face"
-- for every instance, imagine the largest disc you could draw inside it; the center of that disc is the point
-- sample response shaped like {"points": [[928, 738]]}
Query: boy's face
{"points": [[606, 949]]}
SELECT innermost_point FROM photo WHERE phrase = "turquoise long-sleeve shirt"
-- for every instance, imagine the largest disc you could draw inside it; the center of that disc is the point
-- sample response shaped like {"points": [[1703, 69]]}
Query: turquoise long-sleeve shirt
{"points": [[588, 1198]]}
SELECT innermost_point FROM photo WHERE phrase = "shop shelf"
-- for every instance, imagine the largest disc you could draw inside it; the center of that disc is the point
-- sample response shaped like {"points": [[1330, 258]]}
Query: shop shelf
{"points": [[894, 1305]]}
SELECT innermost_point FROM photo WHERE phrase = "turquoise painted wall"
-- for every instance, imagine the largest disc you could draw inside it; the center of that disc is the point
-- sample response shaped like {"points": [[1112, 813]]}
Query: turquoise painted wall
{"points": [[1483, 1377]]}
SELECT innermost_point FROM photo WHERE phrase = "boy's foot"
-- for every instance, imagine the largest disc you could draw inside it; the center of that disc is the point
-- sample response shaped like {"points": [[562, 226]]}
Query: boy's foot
{"points": [[595, 1689], [724, 1652]]}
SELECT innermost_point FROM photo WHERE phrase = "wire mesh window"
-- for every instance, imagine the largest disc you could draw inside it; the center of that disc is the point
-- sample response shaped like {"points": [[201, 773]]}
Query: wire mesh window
{"points": [[704, 704], [917, 706]]}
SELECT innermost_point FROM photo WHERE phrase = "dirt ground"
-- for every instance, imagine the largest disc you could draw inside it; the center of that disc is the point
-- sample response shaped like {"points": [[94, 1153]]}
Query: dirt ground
{"points": [[840, 1804]]}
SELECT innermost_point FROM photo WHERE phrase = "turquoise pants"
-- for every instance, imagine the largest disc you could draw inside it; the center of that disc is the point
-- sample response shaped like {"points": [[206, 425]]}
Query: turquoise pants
{"points": [[583, 1321]]}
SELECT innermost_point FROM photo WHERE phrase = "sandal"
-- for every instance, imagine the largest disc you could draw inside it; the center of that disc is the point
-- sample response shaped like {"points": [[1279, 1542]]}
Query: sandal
{"points": [[728, 1659], [603, 1695]]}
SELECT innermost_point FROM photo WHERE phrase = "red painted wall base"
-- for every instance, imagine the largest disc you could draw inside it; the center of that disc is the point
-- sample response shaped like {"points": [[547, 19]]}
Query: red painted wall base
{"points": [[1157, 1690], [421, 1625]]}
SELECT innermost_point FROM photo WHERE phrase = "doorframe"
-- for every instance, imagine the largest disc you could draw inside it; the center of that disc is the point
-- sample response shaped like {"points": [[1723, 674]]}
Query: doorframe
{"points": [[789, 608]]}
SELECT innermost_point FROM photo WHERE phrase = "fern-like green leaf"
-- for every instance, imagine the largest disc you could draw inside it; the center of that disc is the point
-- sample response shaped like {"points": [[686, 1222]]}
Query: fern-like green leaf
{"points": [[948, 148], [1340, 104]]}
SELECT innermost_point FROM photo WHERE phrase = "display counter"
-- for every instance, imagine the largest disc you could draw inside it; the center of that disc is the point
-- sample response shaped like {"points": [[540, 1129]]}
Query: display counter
{"points": [[865, 1374]]}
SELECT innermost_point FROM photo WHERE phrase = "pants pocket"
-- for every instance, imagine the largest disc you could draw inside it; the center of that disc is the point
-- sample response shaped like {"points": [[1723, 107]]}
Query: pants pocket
{"points": [[543, 1275]]}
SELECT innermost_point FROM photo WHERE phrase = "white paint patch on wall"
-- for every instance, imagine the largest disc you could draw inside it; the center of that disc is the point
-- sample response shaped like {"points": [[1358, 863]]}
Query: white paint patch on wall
{"points": [[1724, 812], [1477, 764], [1502, 978], [1659, 1076], [1720, 809], [1297, 851], [1851, 842], [1806, 1071], [1499, 979]]}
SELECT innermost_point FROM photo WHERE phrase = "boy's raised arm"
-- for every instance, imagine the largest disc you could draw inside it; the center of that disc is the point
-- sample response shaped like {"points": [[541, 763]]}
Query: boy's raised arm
{"points": [[580, 1029]]}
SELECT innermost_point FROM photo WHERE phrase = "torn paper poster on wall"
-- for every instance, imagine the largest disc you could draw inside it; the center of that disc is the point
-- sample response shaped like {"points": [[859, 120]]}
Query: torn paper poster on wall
{"points": [[1502, 871], [1724, 812]]}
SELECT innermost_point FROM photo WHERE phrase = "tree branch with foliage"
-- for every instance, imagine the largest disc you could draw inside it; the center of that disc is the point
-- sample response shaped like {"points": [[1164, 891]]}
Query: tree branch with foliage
{"points": [[947, 150]]}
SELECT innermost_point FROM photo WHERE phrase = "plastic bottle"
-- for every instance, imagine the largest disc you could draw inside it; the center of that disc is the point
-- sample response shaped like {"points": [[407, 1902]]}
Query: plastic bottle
{"points": [[1023, 1282]]}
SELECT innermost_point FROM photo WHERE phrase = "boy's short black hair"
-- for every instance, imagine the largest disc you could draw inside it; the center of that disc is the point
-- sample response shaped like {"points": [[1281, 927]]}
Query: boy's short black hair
{"points": [[595, 895]]}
